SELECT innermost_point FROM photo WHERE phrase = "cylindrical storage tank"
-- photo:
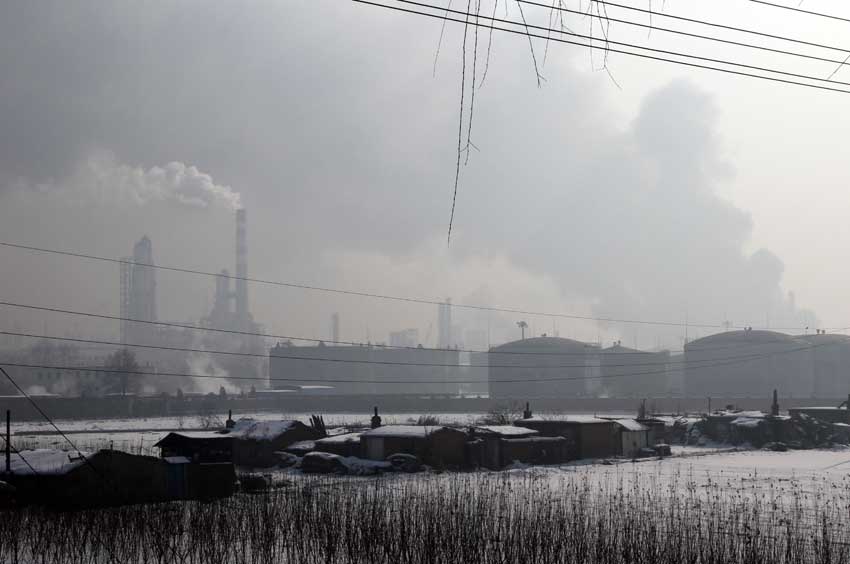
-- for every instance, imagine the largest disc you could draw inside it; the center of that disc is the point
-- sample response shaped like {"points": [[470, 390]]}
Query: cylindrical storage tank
{"points": [[539, 367], [739, 364]]}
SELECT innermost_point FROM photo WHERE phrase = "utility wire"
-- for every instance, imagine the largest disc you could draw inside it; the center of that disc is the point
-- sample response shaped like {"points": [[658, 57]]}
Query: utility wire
{"points": [[654, 27], [46, 417], [103, 479], [362, 361], [721, 26], [425, 301], [21, 456], [610, 50], [608, 41], [360, 344], [719, 362], [801, 11]]}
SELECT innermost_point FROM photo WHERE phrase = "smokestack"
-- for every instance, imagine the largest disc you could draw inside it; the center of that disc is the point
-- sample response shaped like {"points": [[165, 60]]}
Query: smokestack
{"points": [[335, 328], [241, 267]]}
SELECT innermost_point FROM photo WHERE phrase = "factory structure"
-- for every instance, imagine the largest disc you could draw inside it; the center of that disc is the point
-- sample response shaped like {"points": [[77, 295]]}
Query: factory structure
{"points": [[732, 364], [87, 371], [138, 294], [365, 370], [542, 367], [404, 367], [746, 363], [728, 365]]}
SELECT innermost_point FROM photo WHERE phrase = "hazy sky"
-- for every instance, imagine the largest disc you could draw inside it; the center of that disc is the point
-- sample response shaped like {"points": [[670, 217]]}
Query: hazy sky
{"points": [[680, 194]]}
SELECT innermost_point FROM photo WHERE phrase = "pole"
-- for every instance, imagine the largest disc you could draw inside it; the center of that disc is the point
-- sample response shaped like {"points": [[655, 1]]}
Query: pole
{"points": [[8, 442]]}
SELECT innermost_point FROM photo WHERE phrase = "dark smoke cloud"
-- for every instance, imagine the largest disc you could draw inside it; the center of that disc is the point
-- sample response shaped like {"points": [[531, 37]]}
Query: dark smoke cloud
{"points": [[325, 117]]}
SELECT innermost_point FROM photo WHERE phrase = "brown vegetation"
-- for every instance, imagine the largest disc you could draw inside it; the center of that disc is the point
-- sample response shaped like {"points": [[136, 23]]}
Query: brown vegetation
{"points": [[450, 518]]}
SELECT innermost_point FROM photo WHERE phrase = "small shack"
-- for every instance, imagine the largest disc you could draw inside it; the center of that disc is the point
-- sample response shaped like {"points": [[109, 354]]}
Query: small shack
{"points": [[347, 444], [535, 450], [256, 442], [434, 445], [589, 436], [659, 428], [201, 446], [107, 477], [486, 448], [634, 436], [826, 414]]}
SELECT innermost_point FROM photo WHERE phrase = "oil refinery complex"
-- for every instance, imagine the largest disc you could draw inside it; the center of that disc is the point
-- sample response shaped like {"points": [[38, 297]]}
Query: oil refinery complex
{"points": [[732, 364]]}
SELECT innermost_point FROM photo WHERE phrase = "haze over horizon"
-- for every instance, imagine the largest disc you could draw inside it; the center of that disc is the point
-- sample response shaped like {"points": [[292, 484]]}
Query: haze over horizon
{"points": [[681, 195]]}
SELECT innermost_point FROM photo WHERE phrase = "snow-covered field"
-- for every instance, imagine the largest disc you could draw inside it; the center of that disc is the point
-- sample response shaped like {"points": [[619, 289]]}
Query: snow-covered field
{"points": [[198, 421], [812, 475], [709, 470], [138, 435]]}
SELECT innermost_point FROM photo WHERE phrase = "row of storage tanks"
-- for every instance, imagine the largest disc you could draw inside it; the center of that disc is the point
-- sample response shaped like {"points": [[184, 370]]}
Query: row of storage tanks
{"points": [[748, 363]]}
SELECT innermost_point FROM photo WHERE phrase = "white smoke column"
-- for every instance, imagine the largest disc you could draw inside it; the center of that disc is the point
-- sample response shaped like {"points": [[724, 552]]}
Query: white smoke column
{"points": [[205, 363], [104, 181]]}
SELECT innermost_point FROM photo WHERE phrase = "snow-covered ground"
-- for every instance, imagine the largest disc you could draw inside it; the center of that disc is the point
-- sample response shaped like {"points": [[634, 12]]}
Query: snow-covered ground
{"points": [[138, 435], [198, 421]]}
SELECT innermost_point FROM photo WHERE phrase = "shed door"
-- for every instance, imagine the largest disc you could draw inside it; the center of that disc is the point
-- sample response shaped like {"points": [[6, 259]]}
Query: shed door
{"points": [[175, 476], [375, 448]]}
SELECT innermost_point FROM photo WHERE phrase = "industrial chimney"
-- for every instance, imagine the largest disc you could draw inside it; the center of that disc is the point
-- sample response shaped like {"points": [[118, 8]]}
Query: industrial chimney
{"points": [[242, 314], [335, 328]]}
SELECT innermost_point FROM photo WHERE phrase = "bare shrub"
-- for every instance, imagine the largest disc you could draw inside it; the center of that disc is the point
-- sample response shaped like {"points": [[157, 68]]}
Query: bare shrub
{"points": [[480, 518], [501, 414], [428, 420]]}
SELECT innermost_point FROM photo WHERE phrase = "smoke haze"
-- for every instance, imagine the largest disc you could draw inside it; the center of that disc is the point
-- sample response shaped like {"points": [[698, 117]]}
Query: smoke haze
{"points": [[341, 144]]}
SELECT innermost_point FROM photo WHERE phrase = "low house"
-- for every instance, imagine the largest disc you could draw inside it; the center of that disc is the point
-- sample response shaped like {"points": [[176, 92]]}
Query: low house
{"points": [[256, 442], [347, 444], [634, 436], [535, 450], [589, 436], [827, 414], [105, 478], [198, 480], [722, 425], [301, 448], [202, 446], [485, 448], [434, 445], [659, 428]]}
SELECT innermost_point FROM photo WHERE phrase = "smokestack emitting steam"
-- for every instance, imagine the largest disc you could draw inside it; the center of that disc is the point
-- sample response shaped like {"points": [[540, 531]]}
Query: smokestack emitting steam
{"points": [[241, 268]]}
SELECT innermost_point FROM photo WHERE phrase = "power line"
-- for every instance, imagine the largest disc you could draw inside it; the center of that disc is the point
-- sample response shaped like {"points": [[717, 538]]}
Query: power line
{"points": [[610, 50], [721, 26], [654, 27], [46, 417], [21, 456], [70, 442], [800, 10], [362, 361], [714, 363], [424, 301], [608, 41], [360, 344]]}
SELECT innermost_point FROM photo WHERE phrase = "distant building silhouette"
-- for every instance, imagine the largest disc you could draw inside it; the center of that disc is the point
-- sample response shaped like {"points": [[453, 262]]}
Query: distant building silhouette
{"points": [[138, 293]]}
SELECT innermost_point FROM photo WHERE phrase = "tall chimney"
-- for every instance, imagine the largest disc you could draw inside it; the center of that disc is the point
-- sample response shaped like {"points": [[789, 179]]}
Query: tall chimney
{"points": [[335, 328], [241, 267]]}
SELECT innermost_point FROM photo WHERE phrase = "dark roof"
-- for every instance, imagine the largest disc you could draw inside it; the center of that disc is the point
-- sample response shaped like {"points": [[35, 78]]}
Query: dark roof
{"points": [[535, 343], [824, 338], [754, 336], [619, 349], [174, 439]]}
